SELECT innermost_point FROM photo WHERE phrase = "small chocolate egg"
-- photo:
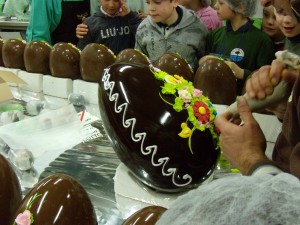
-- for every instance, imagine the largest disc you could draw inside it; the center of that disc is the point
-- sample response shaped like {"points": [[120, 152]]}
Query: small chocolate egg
{"points": [[145, 216], [130, 55], [217, 81], [94, 59], [65, 61], [1, 58], [58, 199], [36, 57], [10, 192], [13, 53], [173, 63]]}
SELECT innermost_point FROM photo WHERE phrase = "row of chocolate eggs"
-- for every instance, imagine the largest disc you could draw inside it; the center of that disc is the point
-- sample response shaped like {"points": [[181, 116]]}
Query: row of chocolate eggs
{"points": [[57, 199], [67, 61]]}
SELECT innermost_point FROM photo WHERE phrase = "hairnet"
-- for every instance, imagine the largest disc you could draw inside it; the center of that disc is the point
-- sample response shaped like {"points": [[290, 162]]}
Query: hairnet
{"points": [[250, 6], [235, 200]]}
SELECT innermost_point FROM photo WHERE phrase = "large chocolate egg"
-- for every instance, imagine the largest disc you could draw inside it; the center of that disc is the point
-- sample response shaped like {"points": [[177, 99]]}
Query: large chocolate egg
{"points": [[173, 64], [217, 81], [144, 129], [58, 199], [36, 57], [65, 61], [93, 59], [10, 192], [1, 58], [130, 55], [13, 53], [145, 216]]}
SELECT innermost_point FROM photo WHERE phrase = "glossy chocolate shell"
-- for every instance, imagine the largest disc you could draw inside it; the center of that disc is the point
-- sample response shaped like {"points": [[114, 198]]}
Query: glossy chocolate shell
{"points": [[60, 200], [10, 192], [36, 57], [217, 81], [65, 61], [132, 56], [145, 216], [144, 131], [173, 64], [93, 59], [13, 53]]}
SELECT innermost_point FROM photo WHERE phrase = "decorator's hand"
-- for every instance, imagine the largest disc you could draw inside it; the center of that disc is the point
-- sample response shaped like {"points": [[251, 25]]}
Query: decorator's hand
{"points": [[242, 145], [262, 83], [82, 29]]}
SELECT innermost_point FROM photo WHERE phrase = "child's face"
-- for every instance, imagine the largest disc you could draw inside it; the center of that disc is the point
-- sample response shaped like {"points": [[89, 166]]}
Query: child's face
{"points": [[162, 11], [286, 19], [223, 10], [111, 6], [270, 25]]}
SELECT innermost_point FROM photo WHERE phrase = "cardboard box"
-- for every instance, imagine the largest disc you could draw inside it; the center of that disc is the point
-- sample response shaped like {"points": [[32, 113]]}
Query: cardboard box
{"points": [[5, 78]]}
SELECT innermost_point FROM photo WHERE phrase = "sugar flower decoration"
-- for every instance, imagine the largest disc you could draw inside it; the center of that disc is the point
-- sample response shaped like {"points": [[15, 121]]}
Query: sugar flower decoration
{"points": [[201, 112], [26, 218]]}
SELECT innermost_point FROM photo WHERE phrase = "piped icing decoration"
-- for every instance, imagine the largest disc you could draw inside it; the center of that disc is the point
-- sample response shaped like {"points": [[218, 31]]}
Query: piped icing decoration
{"points": [[146, 150], [201, 112], [26, 218]]}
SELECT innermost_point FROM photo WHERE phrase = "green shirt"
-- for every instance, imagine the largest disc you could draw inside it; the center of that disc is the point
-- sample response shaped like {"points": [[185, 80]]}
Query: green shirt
{"points": [[248, 47]]}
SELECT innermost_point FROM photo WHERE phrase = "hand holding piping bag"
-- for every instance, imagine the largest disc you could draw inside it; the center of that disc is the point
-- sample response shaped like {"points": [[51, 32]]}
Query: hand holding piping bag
{"points": [[275, 89]]}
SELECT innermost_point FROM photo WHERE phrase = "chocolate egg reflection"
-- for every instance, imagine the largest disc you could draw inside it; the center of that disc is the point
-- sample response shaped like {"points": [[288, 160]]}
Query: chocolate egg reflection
{"points": [[36, 57], [13, 53], [132, 56], [10, 192], [146, 216], [65, 61], [173, 64], [59, 199], [217, 81], [145, 131], [1, 58], [94, 59]]}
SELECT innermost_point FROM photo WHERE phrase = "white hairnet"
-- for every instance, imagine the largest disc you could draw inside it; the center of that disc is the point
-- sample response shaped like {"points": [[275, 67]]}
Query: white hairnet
{"points": [[250, 6], [236, 200]]}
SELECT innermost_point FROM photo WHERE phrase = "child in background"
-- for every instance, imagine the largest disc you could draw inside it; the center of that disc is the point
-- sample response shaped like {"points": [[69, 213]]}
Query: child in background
{"points": [[204, 11], [113, 26], [171, 28], [244, 47], [271, 28], [288, 22]]}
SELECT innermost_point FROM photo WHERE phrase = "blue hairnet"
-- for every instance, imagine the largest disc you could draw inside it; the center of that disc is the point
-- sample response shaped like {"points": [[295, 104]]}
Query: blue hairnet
{"points": [[250, 6]]}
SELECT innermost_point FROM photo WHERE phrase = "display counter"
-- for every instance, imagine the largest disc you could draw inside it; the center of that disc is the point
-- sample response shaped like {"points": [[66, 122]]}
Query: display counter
{"points": [[14, 25]]}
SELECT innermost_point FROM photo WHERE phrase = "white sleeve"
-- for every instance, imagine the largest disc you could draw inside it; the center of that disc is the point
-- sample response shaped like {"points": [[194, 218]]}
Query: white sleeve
{"points": [[266, 169]]}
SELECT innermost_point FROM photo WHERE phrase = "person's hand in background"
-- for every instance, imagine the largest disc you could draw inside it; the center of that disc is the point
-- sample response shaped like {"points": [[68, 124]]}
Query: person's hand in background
{"points": [[82, 29]]}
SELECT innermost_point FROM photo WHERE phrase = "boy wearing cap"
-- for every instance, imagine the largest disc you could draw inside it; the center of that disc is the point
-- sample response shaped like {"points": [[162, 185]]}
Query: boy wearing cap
{"points": [[244, 47]]}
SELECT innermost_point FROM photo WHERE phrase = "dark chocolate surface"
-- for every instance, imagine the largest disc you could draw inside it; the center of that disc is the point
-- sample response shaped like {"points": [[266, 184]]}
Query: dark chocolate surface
{"points": [[144, 130]]}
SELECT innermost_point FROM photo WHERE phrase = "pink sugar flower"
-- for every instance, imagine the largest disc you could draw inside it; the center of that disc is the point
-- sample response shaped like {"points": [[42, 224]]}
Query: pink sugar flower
{"points": [[23, 218]]}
